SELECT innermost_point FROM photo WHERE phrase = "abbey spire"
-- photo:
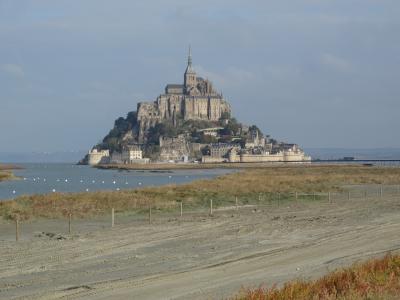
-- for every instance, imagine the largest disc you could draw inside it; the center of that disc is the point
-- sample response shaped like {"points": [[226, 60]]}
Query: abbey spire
{"points": [[189, 62], [190, 74]]}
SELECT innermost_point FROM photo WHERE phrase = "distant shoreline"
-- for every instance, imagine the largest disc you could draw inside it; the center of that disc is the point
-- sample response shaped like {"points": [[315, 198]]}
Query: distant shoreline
{"points": [[6, 172], [188, 166], [192, 166], [5, 167]]}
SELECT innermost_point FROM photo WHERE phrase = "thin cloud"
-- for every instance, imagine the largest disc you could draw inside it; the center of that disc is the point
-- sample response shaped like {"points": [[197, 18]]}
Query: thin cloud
{"points": [[13, 70], [232, 76], [336, 63]]}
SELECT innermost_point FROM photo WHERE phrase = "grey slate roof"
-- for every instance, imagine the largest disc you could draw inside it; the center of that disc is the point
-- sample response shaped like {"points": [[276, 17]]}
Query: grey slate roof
{"points": [[173, 85]]}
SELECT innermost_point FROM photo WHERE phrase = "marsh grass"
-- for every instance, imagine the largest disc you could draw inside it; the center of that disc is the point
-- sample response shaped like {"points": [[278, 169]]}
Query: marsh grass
{"points": [[251, 186], [374, 279], [6, 175]]}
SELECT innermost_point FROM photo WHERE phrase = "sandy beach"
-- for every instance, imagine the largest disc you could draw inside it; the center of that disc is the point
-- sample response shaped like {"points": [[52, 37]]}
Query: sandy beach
{"points": [[196, 257]]}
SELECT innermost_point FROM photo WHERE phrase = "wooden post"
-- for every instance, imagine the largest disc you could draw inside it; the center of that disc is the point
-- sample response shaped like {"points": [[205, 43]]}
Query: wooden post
{"points": [[297, 197], [181, 209], [329, 197], [381, 192], [314, 196], [69, 223], [112, 217], [211, 207], [16, 229], [150, 214], [237, 205]]}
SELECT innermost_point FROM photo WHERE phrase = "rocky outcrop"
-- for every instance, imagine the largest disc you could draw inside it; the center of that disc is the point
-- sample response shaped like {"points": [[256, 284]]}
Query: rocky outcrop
{"points": [[173, 107]]}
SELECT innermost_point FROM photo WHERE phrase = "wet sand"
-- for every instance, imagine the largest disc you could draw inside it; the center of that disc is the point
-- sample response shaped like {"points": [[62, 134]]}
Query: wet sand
{"points": [[196, 257]]}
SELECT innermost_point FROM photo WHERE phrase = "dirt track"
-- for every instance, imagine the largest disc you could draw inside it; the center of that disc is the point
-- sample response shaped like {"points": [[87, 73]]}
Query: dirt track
{"points": [[196, 258]]}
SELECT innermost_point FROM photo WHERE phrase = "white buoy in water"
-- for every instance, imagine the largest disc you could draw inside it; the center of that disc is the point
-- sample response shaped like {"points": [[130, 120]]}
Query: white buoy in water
{"points": [[126, 182], [81, 181], [139, 183], [117, 189], [14, 192], [58, 180], [93, 181], [114, 182], [66, 180], [54, 190], [102, 182], [34, 179], [24, 178], [169, 176], [87, 190], [44, 179]]}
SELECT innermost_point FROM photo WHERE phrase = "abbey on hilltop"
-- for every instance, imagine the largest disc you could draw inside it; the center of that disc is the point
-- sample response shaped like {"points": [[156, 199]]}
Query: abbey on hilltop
{"points": [[195, 99], [188, 122]]}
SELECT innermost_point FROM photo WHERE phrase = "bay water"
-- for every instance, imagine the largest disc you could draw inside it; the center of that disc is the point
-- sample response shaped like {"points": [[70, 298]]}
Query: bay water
{"points": [[44, 178]]}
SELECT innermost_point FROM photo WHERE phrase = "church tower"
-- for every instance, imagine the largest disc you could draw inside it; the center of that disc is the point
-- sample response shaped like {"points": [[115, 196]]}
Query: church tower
{"points": [[190, 74]]}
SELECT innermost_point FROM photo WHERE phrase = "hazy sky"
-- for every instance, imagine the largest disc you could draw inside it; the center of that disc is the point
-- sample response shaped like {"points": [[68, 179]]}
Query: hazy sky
{"points": [[321, 73]]}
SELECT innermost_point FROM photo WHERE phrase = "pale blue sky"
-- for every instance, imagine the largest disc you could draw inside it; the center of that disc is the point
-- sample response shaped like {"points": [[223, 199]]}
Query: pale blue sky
{"points": [[321, 73]]}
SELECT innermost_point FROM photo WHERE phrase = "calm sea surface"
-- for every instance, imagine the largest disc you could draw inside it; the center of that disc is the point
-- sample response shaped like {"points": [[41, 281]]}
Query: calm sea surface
{"points": [[48, 178]]}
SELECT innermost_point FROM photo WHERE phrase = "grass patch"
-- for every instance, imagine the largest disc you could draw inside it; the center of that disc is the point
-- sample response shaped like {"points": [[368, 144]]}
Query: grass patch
{"points": [[374, 279], [6, 175], [247, 185]]}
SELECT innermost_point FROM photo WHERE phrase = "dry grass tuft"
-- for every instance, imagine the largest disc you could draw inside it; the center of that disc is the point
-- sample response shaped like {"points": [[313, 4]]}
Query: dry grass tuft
{"points": [[374, 279]]}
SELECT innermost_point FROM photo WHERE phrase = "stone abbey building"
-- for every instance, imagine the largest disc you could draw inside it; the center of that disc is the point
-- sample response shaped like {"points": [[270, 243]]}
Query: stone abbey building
{"points": [[195, 99]]}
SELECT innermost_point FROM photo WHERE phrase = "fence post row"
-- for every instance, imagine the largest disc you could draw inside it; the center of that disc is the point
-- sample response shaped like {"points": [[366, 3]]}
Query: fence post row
{"points": [[150, 214], [17, 229], [69, 223], [364, 194]]}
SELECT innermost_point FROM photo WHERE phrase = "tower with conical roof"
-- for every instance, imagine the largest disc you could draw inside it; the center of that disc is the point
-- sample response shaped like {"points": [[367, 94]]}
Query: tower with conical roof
{"points": [[190, 75]]}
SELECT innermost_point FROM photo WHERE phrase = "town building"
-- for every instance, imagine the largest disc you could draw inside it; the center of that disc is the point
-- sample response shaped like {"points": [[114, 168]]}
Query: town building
{"points": [[210, 131], [131, 154]]}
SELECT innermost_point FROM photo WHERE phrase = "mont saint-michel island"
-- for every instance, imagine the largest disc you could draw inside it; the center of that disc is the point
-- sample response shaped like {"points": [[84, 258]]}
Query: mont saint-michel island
{"points": [[261, 163], [189, 123]]}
